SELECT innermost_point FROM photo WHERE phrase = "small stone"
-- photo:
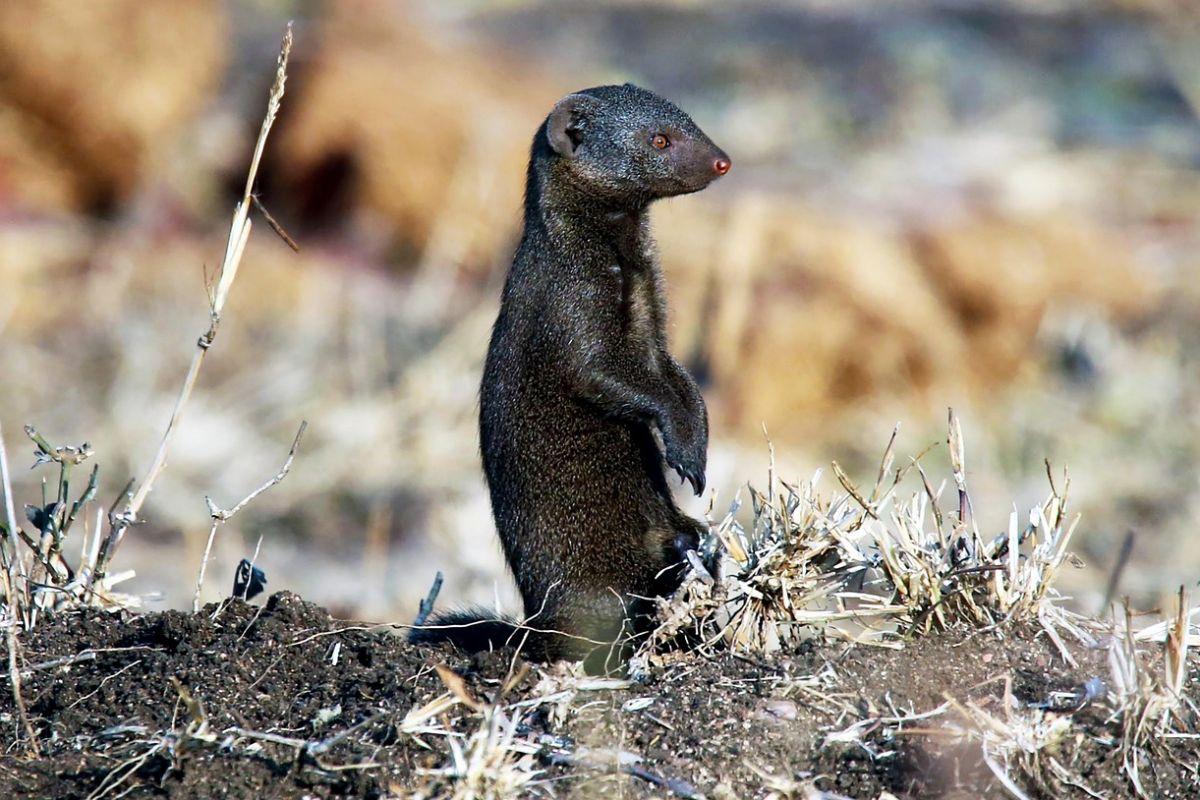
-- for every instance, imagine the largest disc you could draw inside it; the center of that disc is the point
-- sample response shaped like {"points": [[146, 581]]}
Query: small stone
{"points": [[987, 658]]}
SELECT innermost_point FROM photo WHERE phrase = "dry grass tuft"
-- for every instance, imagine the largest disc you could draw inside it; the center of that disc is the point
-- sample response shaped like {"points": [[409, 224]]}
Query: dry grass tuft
{"points": [[494, 763], [501, 757], [1019, 745], [1152, 708], [874, 569], [871, 568], [38, 573]]}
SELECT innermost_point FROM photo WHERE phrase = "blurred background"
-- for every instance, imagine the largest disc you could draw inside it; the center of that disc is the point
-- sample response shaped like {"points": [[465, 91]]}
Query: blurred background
{"points": [[990, 205]]}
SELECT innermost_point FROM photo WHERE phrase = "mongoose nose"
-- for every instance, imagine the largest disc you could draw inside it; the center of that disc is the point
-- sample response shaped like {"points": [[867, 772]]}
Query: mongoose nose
{"points": [[721, 166]]}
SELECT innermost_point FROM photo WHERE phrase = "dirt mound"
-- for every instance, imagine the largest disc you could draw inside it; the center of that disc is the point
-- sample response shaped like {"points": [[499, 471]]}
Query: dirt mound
{"points": [[248, 667], [282, 700]]}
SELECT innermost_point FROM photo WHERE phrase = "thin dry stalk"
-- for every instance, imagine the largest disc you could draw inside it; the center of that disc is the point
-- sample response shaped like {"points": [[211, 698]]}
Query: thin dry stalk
{"points": [[1175, 656], [239, 233], [220, 516], [14, 678], [49, 581], [15, 586]]}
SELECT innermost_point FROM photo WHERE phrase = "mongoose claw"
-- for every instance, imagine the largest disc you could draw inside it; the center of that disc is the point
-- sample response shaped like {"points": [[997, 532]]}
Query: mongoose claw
{"points": [[694, 476], [686, 456]]}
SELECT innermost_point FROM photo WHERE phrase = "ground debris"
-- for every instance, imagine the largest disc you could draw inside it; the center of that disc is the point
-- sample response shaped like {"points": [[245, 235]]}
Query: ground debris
{"points": [[244, 700]]}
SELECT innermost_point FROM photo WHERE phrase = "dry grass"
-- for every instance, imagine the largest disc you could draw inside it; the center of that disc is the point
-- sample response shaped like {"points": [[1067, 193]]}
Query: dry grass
{"points": [[494, 763], [1152, 707], [872, 568], [37, 574], [1027, 749], [1022, 743]]}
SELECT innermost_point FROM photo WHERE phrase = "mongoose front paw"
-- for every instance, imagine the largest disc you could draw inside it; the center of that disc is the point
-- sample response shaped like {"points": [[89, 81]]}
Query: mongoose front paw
{"points": [[688, 462]]}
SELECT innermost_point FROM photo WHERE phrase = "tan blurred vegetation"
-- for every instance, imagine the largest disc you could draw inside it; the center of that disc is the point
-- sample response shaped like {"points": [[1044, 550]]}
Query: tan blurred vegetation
{"points": [[92, 90], [932, 204]]}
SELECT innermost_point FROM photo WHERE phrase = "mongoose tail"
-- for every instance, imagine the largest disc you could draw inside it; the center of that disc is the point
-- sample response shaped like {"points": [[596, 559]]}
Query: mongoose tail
{"points": [[472, 630], [480, 630]]}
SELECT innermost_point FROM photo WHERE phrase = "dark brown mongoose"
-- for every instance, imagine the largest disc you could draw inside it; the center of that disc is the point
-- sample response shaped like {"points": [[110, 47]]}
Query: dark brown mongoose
{"points": [[579, 382]]}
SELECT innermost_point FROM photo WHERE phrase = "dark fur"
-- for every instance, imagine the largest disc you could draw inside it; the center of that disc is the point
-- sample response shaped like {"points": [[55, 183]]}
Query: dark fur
{"points": [[472, 630], [579, 381]]}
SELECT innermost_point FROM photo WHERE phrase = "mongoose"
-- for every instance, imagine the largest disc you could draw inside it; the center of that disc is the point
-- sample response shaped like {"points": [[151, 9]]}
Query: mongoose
{"points": [[579, 389]]}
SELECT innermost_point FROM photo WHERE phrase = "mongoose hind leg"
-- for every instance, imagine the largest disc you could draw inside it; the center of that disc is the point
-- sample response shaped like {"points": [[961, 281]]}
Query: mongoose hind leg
{"points": [[670, 551], [598, 628]]}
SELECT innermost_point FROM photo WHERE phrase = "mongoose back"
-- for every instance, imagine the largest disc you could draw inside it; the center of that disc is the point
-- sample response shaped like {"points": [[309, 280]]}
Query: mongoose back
{"points": [[582, 407]]}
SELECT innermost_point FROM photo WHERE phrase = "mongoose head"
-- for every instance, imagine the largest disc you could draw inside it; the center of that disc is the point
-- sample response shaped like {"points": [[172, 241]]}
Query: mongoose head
{"points": [[627, 146]]}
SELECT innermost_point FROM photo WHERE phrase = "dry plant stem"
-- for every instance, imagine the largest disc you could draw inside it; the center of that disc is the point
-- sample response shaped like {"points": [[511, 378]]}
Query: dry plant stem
{"points": [[220, 516], [275, 226], [239, 233], [100, 562], [1175, 655], [10, 515], [425, 607], [14, 677], [13, 589], [958, 469], [253, 564]]}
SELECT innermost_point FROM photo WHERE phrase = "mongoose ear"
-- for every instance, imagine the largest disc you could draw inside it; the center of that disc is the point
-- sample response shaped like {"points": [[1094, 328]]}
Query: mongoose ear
{"points": [[567, 121]]}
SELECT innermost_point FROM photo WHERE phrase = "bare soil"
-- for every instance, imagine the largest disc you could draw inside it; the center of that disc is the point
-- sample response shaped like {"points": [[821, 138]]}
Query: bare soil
{"points": [[117, 722]]}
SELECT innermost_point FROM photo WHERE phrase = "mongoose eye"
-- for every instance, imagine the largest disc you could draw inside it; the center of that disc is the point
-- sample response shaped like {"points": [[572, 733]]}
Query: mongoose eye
{"points": [[659, 141]]}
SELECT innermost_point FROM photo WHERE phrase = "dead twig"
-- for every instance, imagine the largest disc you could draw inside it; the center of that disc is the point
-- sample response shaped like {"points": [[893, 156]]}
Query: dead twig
{"points": [[14, 677], [15, 586], [274, 223], [425, 607], [239, 234], [220, 516]]}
